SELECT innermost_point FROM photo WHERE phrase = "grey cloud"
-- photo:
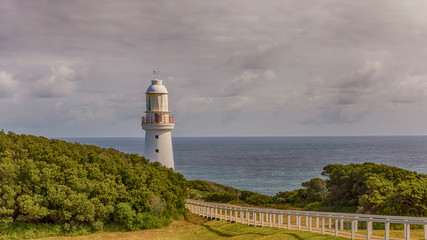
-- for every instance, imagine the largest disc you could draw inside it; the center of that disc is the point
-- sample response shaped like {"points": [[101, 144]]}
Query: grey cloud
{"points": [[59, 84], [286, 61], [363, 79], [344, 100], [411, 89], [247, 81], [262, 57], [8, 85], [351, 98], [337, 116]]}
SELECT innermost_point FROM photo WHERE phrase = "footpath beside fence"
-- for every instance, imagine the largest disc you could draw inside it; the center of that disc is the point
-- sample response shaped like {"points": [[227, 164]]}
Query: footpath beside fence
{"points": [[322, 222]]}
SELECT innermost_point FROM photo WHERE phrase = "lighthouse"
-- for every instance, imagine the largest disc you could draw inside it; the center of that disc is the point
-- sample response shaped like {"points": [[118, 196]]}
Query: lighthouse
{"points": [[158, 124]]}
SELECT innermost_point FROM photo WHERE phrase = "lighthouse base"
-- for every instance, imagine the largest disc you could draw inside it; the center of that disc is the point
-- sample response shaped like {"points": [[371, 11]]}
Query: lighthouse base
{"points": [[158, 147]]}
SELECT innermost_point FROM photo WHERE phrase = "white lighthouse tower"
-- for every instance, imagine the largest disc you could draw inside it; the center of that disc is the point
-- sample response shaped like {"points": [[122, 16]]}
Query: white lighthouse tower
{"points": [[158, 125]]}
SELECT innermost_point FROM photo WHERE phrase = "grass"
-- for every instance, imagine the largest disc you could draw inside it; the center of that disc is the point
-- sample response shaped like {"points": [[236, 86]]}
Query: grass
{"points": [[415, 233], [15, 231], [189, 227], [192, 227]]}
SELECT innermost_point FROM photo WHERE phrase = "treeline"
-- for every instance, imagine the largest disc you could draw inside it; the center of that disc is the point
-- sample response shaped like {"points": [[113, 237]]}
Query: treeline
{"points": [[364, 188], [368, 187], [53, 181]]}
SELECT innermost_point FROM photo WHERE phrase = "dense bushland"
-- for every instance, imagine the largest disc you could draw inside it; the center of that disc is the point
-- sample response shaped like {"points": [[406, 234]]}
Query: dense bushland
{"points": [[364, 188], [52, 181], [367, 187]]}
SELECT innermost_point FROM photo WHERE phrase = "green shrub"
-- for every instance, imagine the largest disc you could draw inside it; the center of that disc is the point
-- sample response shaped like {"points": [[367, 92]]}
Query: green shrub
{"points": [[124, 214], [246, 194], [195, 194], [220, 197], [258, 199], [313, 206], [147, 221]]}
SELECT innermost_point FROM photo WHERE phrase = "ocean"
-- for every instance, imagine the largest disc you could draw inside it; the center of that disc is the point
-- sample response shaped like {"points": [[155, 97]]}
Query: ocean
{"points": [[272, 164]]}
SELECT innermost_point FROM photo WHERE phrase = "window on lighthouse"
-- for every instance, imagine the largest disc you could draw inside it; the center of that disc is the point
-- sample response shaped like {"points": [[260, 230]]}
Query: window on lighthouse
{"points": [[148, 103], [156, 137], [157, 150]]}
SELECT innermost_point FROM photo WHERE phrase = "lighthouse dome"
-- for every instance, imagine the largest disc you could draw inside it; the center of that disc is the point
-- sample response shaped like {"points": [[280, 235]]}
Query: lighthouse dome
{"points": [[157, 87]]}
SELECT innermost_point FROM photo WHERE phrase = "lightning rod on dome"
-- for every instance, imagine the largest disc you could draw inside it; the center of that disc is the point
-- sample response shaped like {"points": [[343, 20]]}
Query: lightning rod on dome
{"points": [[156, 74]]}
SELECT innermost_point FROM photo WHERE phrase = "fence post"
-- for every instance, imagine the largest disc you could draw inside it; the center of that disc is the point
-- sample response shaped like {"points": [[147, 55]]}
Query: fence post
{"points": [[317, 222], [274, 218], [248, 214], [323, 225], [404, 228], [309, 223], [298, 222], [352, 228], [342, 224], [408, 231], [425, 231], [330, 222], [368, 230], [207, 212], [262, 219], [336, 227], [387, 230], [289, 222], [254, 216], [279, 219], [235, 215], [269, 219]]}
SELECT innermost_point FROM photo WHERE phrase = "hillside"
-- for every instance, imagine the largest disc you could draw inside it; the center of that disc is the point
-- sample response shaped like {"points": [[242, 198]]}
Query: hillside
{"points": [[49, 181]]}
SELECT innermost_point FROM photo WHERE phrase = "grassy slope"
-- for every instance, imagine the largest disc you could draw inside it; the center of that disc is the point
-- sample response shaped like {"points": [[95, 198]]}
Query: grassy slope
{"points": [[195, 228]]}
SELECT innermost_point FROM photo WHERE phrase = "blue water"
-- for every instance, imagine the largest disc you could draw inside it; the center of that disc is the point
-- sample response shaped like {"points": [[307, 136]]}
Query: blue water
{"points": [[272, 164]]}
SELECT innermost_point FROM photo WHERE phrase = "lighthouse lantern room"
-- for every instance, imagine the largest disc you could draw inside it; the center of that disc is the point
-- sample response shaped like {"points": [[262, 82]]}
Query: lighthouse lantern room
{"points": [[158, 125]]}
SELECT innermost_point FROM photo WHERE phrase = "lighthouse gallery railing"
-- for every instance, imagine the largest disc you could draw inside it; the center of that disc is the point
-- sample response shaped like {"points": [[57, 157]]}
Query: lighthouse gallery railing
{"points": [[157, 120]]}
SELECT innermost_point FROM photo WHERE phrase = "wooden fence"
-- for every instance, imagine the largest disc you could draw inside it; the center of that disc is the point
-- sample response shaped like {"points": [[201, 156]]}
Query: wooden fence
{"points": [[314, 221]]}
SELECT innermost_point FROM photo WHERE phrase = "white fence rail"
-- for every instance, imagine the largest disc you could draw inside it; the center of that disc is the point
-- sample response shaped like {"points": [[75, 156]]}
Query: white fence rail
{"points": [[314, 221]]}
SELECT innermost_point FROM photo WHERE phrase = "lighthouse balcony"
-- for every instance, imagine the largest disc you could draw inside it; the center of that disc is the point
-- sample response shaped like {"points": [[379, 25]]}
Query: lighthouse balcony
{"points": [[157, 120]]}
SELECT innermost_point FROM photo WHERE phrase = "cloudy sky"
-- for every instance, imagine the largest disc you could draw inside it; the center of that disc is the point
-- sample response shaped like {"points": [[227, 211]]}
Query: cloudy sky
{"points": [[232, 68]]}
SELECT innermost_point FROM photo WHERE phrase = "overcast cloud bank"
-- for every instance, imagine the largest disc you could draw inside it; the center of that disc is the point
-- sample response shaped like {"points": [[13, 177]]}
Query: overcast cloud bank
{"points": [[79, 68]]}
